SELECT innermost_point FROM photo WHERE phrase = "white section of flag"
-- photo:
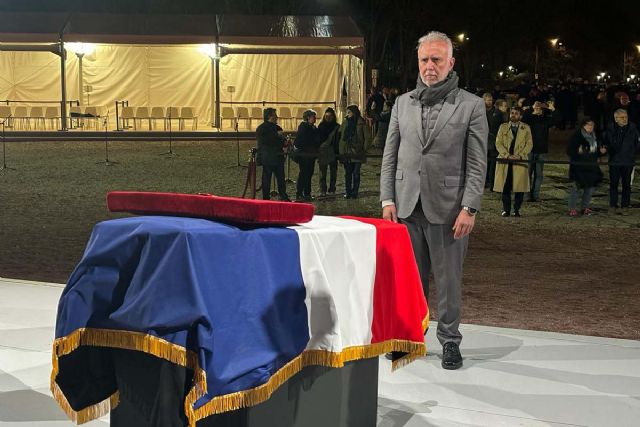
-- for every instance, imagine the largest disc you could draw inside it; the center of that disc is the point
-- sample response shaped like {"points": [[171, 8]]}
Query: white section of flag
{"points": [[338, 261]]}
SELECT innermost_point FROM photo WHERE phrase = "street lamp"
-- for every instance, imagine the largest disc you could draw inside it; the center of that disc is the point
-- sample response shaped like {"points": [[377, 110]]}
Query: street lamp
{"points": [[554, 42], [212, 51], [80, 49], [461, 37]]}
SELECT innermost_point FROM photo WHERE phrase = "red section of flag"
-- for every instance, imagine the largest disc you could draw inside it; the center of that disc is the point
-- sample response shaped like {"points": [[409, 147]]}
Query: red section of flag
{"points": [[399, 304], [232, 209]]}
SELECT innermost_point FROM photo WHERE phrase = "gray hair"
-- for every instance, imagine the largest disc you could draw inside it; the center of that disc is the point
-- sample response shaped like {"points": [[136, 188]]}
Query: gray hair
{"points": [[434, 36], [621, 111]]}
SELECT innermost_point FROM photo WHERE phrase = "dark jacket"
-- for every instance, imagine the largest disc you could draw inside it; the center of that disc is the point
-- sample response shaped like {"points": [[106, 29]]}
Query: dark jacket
{"points": [[378, 99], [328, 135], [587, 173], [270, 145], [307, 140], [622, 143], [353, 150], [383, 128], [540, 125], [495, 118]]}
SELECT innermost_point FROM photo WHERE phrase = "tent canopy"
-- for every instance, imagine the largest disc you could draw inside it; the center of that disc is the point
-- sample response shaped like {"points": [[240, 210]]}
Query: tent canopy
{"points": [[334, 31], [159, 60]]}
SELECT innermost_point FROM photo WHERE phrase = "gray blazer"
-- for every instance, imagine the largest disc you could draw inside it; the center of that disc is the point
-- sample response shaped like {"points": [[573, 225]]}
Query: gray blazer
{"points": [[448, 170]]}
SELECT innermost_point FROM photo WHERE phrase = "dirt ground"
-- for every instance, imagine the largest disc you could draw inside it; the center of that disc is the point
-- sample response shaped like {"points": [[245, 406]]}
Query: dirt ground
{"points": [[544, 271]]}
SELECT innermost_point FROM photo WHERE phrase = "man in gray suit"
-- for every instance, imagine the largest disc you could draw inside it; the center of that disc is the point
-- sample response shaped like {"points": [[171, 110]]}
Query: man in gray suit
{"points": [[432, 178]]}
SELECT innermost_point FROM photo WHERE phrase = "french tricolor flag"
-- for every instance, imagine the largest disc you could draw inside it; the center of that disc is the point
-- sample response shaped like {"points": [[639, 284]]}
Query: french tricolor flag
{"points": [[244, 307]]}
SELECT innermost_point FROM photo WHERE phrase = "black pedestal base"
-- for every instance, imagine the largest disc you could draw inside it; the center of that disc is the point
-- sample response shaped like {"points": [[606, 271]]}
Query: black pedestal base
{"points": [[152, 393]]}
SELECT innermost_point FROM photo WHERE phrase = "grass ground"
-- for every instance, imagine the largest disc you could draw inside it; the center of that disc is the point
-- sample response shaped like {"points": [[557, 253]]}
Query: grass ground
{"points": [[543, 271]]}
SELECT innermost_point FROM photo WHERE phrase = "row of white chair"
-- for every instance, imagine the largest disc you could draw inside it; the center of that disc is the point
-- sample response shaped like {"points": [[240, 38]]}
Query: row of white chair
{"points": [[22, 117], [234, 115], [138, 114]]}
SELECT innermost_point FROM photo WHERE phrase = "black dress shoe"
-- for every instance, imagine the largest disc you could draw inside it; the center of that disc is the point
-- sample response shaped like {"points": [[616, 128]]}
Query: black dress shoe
{"points": [[516, 214], [505, 214], [451, 357], [394, 355]]}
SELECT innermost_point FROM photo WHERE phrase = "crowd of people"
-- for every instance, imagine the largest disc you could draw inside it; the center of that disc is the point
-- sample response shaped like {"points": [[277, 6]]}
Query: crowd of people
{"points": [[518, 143]]}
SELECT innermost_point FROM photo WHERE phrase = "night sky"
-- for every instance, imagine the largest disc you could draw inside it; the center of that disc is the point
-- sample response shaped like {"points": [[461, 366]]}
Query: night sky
{"points": [[501, 33]]}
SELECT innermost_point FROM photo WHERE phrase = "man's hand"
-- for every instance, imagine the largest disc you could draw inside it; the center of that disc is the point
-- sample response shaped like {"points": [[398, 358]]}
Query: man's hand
{"points": [[463, 225], [389, 213]]}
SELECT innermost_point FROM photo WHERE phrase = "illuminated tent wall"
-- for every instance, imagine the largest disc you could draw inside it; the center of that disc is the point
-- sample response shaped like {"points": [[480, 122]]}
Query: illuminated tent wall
{"points": [[160, 60]]}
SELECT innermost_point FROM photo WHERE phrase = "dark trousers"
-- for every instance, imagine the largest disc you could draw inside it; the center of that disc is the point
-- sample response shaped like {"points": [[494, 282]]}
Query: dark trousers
{"points": [[278, 171], [536, 171], [437, 252], [506, 194], [617, 173], [352, 178], [303, 186], [333, 171], [491, 167]]}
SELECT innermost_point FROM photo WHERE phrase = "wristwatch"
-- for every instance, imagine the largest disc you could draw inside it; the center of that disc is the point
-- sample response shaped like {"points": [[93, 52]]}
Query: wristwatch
{"points": [[470, 211]]}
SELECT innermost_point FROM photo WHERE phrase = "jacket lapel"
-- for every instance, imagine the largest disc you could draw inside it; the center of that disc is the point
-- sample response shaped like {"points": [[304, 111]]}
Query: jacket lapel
{"points": [[448, 108], [417, 117]]}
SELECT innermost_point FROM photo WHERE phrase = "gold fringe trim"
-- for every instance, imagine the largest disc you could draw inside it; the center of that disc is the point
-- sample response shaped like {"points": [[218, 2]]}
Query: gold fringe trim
{"points": [[180, 356], [425, 323], [254, 396], [89, 413], [129, 341]]}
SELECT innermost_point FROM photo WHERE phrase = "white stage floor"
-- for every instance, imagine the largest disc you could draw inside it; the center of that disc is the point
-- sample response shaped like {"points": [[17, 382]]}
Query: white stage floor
{"points": [[510, 377]]}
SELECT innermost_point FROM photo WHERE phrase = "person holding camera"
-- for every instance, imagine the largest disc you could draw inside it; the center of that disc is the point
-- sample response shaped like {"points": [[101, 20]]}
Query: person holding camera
{"points": [[584, 151], [271, 146], [540, 119]]}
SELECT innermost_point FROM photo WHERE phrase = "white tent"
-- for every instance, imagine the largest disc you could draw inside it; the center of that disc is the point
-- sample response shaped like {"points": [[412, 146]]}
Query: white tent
{"points": [[160, 60]]}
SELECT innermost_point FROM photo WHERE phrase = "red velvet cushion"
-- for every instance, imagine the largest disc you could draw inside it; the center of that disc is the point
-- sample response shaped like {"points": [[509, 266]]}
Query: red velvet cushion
{"points": [[232, 209]]}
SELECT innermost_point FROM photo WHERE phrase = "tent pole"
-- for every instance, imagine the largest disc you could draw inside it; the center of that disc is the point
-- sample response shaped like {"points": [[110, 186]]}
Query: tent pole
{"points": [[217, 66], [63, 84]]}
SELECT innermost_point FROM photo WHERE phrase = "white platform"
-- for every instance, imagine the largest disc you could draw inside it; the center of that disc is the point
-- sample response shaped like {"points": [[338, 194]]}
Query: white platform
{"points": [[510, 377]]}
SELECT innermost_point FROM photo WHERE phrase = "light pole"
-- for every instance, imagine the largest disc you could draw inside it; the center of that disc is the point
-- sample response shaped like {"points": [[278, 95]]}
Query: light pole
{"points": [[212, 51], [80, 49], [462, 38]]}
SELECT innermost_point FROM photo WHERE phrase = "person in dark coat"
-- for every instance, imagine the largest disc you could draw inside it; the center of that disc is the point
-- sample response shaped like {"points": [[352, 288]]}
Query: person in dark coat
{"points": [[383, 120], [540, 119], [352, 150], [306, 148], [584, 149], [622, 142], [327, 157], [496, 115], [271, 145]]}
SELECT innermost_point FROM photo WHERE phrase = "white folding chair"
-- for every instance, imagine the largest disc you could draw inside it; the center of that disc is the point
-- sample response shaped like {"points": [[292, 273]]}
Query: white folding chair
{"points": [[186, 113], [52, 115], [227, 113], [142, 113]]}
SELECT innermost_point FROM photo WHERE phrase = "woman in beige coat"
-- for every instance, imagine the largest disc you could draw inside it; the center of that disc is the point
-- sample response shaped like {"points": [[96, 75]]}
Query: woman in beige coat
{"points": [[513, 142]]}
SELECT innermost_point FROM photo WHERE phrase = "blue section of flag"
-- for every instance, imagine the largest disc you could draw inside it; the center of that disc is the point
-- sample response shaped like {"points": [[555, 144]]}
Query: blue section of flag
{"points": [[224, 292]]}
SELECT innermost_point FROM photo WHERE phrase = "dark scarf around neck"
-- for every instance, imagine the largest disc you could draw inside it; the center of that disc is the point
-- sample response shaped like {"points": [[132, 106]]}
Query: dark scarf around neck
{"points": [[431, 95]]}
